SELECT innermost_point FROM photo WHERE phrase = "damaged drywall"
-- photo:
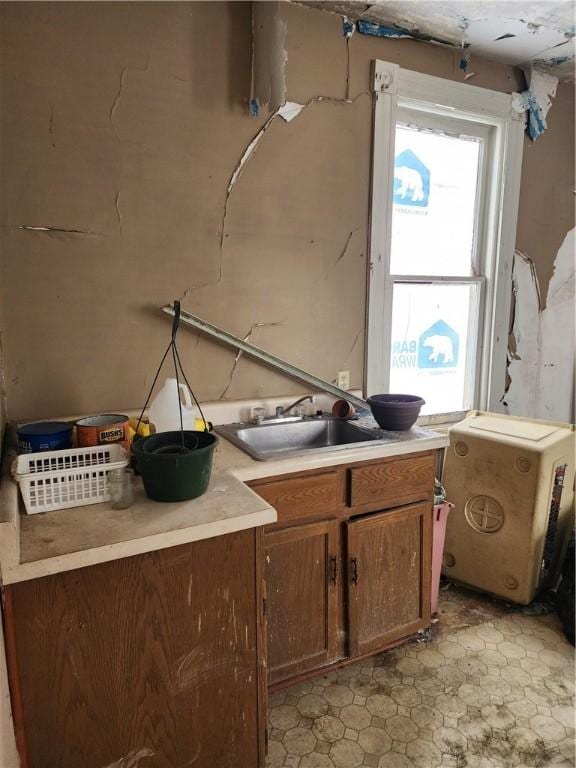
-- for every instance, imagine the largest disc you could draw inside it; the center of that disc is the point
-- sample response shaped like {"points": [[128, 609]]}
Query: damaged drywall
{"points": [[541, 358], [183, 128], [393, 31], [238, 355], [536, 101], [499, 33], [287, 111], [122, 84], [61, 231], [51, 128], [268, 57], [513, 33]]}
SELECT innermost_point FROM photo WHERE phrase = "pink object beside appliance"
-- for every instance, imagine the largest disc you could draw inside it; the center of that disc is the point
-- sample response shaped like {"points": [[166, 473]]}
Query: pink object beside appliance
{"points": [[441, 512]]}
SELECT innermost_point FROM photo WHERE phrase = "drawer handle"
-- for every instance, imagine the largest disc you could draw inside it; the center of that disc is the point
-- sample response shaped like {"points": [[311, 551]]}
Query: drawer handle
{"points": [[333, 569], [354, 569]]}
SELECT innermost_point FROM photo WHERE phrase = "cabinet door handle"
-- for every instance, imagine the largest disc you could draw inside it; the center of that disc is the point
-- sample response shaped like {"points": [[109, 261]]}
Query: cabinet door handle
{"points": [[333, 569], [354, 570]]}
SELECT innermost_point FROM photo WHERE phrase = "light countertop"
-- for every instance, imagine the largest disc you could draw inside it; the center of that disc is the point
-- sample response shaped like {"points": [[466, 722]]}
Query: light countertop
{"points": [[38, 545]]}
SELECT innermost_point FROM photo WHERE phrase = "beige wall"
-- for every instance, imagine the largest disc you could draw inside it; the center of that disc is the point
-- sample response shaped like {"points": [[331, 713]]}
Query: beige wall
{"points": [[125, 121]]}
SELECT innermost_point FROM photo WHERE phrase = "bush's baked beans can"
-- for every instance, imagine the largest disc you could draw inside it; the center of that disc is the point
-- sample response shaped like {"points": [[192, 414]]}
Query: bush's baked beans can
{"points": [[103, 429]]}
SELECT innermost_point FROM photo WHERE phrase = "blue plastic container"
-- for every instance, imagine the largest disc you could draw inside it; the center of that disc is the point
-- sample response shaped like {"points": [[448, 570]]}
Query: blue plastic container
{"points": [[44, 436]]}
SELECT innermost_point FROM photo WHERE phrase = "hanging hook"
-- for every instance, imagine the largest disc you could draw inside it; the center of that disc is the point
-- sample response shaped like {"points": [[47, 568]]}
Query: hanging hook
{"points": [[176, 321]]}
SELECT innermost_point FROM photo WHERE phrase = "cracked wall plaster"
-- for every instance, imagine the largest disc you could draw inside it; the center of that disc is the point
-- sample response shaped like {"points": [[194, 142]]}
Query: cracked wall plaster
{"points": [[542, 363], [287, 112], [239, 352], [60, 231]]}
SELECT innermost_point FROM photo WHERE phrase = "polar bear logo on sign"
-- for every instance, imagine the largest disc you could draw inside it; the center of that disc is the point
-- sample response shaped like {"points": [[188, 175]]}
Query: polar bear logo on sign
{"points": [[438, 346], [411, 185], [441, 346], [411, 180]]}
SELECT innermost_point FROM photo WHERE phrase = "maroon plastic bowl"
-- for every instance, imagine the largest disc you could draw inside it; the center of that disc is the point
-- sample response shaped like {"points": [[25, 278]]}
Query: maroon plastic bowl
{"points": [[395, 412]]}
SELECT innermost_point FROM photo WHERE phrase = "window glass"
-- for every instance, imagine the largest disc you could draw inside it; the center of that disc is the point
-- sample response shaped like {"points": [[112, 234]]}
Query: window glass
{"points": [[435, 198], [434, 331]]}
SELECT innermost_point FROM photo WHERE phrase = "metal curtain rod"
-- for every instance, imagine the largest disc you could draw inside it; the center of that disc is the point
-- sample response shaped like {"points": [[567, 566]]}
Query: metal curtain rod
{"points": [[266, 357]]}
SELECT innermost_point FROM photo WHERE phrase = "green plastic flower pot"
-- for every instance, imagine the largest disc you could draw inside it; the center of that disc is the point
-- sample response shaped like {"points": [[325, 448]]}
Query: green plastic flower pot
{"points": [[167, 473]]}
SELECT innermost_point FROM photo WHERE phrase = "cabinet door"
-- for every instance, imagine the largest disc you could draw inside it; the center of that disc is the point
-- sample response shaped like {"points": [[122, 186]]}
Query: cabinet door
{"points": [[388, 575], [302, 575], [142, 660]]}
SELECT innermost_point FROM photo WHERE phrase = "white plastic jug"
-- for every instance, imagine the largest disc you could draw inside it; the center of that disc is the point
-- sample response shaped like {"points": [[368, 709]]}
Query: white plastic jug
{"points": [[164, 411]]}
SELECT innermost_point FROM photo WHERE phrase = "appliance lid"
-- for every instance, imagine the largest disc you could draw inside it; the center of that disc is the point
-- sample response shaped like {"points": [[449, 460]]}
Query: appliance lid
{"points": [[532, 431]]}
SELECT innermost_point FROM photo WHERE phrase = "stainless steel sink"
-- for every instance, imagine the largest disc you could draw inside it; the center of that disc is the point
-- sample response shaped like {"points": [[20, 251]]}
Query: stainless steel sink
{"points": [[294, 437]]}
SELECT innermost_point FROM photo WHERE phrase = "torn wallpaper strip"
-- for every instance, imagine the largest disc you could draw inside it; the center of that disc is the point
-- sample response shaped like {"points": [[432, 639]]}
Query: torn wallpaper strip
{"points": [[536, 101], [380, 30], [287, 112], [348, 27], [290, 110]]}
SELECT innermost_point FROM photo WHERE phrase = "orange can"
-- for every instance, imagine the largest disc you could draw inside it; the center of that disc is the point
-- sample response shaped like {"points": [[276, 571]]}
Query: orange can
{"points": [[103, 429]]}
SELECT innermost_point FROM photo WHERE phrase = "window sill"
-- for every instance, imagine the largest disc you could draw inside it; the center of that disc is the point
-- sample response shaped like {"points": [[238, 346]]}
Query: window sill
{"points": [[442, 422]]}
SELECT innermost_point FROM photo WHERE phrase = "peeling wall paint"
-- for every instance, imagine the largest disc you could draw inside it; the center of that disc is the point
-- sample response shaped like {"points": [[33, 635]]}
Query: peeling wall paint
{"points": [[536, 101], [381, 30], [268, 57], [540, 33], [348, 27], [392, 31], [542, 360]]}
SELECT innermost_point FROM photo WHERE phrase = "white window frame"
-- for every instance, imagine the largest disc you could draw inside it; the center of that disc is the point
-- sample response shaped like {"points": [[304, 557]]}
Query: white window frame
{"points": [[397, 89]]}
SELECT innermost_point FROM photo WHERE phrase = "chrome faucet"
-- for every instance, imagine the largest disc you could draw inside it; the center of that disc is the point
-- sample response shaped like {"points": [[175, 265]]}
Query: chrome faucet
{"points": [[280, 411]]}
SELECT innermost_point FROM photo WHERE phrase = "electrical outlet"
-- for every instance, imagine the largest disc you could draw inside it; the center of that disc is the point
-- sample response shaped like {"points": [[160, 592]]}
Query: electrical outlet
{"points": [[343, 379]]}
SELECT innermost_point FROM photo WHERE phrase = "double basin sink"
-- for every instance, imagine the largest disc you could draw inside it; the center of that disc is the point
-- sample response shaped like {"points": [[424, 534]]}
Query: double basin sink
{"points": [[286, 437]]}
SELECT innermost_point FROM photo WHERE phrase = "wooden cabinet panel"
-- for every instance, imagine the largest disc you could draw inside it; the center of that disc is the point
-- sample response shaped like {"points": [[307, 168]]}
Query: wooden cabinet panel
{"points": [[151, 656], [388, 576], [302, 579], [303, 498], [391, 483]]}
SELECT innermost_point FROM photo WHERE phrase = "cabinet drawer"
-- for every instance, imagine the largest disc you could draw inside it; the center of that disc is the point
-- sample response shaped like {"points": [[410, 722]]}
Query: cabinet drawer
{"points": [[303, 498], [392, 483]]}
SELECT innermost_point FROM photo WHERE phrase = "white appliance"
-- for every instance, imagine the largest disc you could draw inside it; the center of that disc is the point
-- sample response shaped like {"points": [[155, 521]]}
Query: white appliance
{"points": [[511, 481]]}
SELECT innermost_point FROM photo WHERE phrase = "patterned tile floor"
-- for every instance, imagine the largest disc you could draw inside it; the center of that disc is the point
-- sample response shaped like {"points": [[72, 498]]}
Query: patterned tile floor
{"points": [[492, 687]]}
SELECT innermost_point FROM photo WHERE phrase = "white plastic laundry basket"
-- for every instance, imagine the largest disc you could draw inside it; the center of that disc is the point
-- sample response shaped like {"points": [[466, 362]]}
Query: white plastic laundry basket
{"points": [[70, 478]]}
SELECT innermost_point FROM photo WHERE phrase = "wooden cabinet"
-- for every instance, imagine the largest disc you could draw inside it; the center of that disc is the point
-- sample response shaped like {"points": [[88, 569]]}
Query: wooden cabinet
{"points": [[157, 656], [388, 576], [302, 565], [357, 579]]}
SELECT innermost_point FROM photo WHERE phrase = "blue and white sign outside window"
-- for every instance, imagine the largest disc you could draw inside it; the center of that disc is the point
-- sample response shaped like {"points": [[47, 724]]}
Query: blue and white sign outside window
{"points": [[431, 344], [438, 347], [411, 180]]}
